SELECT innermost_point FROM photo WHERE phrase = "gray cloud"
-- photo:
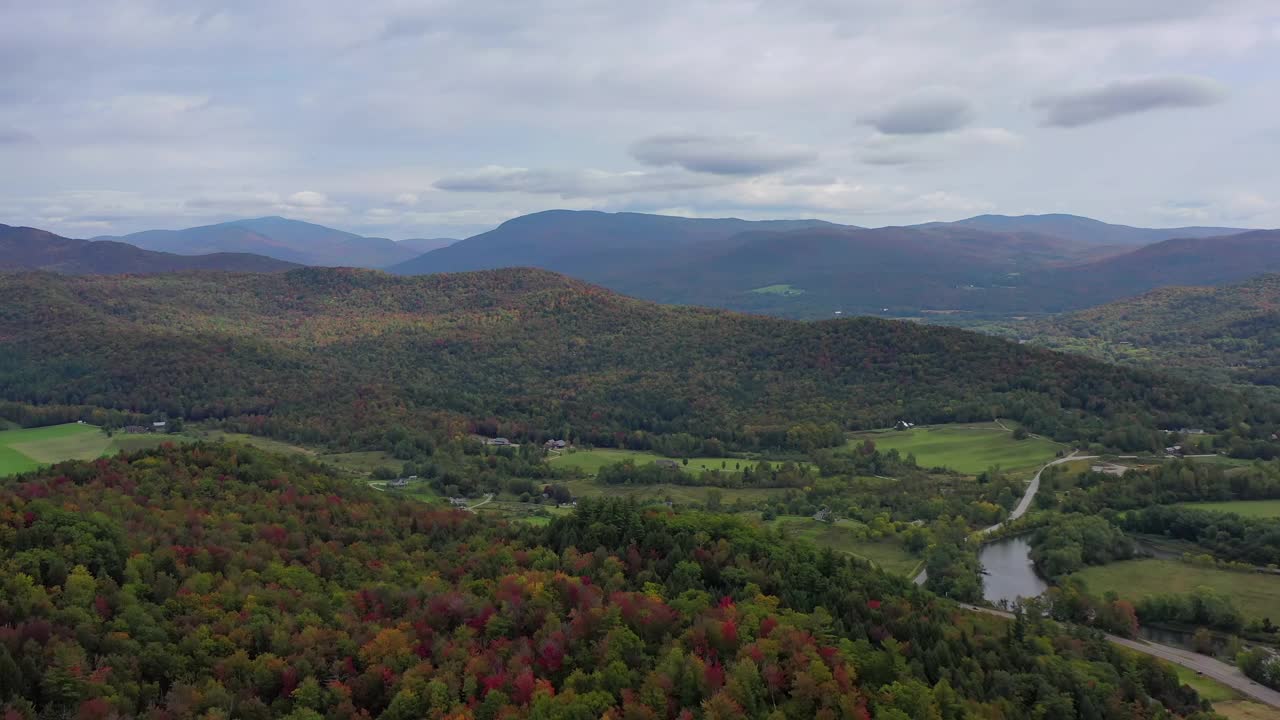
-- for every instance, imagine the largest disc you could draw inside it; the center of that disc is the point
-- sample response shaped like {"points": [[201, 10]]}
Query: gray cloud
{"points": [[1127, 97], [888, 158], [566, 183], [925, 113], [14, 136], [737, 155]]}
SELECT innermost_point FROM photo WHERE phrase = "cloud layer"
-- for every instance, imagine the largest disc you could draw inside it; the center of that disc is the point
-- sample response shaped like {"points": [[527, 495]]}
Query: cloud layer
{"points": [[1128, 97], [735, 155], [445, 118]]}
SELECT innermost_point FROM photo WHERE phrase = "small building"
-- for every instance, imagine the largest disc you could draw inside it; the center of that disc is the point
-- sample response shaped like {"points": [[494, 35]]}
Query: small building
{"points": [[458, 501], [667, 463], [1191, 431], [159, 425], [501, 441], [903, 425], [823, 515], [1174, 450], [555, 444], [400, 483]]}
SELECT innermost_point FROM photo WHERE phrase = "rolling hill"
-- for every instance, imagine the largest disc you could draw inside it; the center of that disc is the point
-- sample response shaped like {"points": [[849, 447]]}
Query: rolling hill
{"points": [[984, 266], [1225, 334], [1083, 229], [720, 262], [525, 352], [290, 240], [24, 248], [1181, 261]]}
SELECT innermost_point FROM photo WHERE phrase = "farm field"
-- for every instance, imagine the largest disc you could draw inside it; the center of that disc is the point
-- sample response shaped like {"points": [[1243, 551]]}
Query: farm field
{"points": [[969, 449], [1243, 508], [844, 536], [1226, 702], [681, 494], [358, 463], [590, 461], [30, 448], [1257, 595]]}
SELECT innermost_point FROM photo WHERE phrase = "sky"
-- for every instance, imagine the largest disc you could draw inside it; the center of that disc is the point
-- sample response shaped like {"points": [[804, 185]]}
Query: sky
{"points": [[443, 118]]}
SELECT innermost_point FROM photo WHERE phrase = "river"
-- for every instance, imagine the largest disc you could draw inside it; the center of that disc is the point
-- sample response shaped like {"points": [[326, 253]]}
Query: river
{"points": [[1009, 572]]}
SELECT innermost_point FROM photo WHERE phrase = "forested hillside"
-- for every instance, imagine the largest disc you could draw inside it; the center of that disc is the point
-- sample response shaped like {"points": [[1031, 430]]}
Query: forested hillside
{"points": [[218, 581], [1224, 334], [357, 357]]}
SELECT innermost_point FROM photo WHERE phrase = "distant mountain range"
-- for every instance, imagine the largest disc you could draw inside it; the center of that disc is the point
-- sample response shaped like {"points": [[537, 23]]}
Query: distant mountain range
{"points": [[24, 248], [980, 267], [284, 239], [1085, 230], [809, 268]]}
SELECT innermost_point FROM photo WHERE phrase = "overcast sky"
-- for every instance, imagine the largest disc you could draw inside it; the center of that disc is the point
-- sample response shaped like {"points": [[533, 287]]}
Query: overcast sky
{"points": [[443, 118]]}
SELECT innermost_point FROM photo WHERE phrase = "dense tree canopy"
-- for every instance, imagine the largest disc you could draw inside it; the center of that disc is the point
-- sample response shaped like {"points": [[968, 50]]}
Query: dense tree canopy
{"points": [[218, 581]]}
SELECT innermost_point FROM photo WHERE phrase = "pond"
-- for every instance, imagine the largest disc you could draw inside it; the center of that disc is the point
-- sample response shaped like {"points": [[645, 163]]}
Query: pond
{"points": [[1009, 573]]}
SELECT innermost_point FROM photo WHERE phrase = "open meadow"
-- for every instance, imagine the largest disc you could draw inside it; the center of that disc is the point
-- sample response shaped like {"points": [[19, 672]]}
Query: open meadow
{"points": [[1243, 508], [969, 448], [27, 449], [1257, 595], [846, 536], [590, 461]]}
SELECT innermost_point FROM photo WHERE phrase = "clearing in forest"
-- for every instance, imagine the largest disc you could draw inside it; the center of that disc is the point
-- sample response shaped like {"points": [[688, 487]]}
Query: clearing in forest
{"points": [[969, 448]]}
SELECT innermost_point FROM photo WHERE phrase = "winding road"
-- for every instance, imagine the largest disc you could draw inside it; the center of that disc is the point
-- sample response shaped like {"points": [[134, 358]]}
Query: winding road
{"points": [[1228, 675], [1024, 504]]}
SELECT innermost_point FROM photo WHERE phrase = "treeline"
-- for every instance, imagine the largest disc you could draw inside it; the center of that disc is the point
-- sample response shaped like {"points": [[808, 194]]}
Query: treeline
{"points": [[1224, 535], [531, 355], [1067, 543], [743, 475], [220, 581]]}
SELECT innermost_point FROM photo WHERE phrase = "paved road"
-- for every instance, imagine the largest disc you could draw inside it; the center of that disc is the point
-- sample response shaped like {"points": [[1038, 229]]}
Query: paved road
{"points": [[1228, 675], [1023, 505]]}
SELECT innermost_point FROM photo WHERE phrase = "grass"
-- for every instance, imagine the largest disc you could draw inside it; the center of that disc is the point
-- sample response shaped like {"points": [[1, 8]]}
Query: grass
{"points": [[1226, 702], [590, 461], [1257, 595], [845, 536], [680, 494], [22, 450], [1244, 508], [781, 289], [357, 463], [969, 449]]}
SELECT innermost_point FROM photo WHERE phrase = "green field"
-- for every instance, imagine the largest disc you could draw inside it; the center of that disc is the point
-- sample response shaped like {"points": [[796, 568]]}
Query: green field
{"points": [[1257, 595], [680, 494], [782, 289], [968, 449], [590, 461], [31, 448], [1226, 702], [1244, 508], [358, 463], [845, 536]]}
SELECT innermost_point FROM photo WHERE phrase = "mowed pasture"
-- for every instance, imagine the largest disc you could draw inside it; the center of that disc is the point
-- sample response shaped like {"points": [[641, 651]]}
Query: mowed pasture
{"points": [[1243, 508], [590, 461], [1256, 595], [846, 536], [27, 449], [968, 449]]}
